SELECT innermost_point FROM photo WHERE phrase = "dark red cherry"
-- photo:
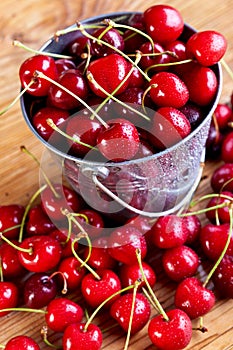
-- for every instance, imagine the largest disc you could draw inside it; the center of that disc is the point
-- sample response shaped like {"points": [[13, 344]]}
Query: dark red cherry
{"points": [[63, 64], [112, 37], [132, 40], [22, 342], [163, 23], [227, 148], [214, 142], [222, 277], [9, 296], [90, 338], [78, 46], [193, 113], [95, 222], [38, 223], [42, 63], [178, 48], [222, 178], [148, 60], [11, 215]]}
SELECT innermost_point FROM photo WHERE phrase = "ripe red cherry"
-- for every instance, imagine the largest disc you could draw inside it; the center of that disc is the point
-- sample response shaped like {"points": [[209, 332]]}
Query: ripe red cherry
{"points": [[86, 339], [169, 126], [120, 141], [169, 90], [207, 47], [108, 72], [112, 37], [169, 231], [188, 292], [39, 120], [9, 296], [63, 64], [222, 277], [21, 342], [61, 235], [222, 113], [129, 274], [95, 224], [61, 312], [222, 178], [163, 23], [11, 266], [193, 225], [180, 262], [42, 63], [227, 148], [178, 47], [174, 334], [11, 215], [38, 222], [121, 310], [222, 213], [70, 268], [147, 61], [45, 253]]}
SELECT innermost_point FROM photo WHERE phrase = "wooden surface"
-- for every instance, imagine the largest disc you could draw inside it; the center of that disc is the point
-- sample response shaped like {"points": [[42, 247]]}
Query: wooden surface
{"points": [[34, 21]]}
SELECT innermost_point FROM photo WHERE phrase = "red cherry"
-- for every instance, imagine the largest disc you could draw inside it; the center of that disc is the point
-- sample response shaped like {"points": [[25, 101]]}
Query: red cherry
{"points": [[188, 292], [70, 268], [148, 61], [222, 113], [11, 267], [121, 310], [63, 64], [136, 79], [222, 213], [123, 243], [207, 47], [38, 222], [179, 49], [42, 63], [163, 23], [86, 339], [108, 72], [169, 90], [193, 113], [180, 262], [129, 274], [112, 37], [45, 254], [174, 334], [120, 141], [11, 215], [21, 342], [97, 291], [61, 235], [9, 296], [227, 148], [214, 142], [222, 277], [61, 312], [222, 178], [193, 225], [169, 231], [95, 225]]}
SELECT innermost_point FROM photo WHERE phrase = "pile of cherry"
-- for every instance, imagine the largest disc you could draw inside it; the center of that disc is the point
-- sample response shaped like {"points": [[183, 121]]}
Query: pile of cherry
{"points": [[56, 246]]}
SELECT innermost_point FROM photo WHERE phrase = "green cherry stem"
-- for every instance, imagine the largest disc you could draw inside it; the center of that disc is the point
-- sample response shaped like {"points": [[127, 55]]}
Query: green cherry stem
{"points": [[1, 270], [44, 333], [24, 309], [167, 64], [155, 299], [203, 211], [136, 285], [24, 250]]}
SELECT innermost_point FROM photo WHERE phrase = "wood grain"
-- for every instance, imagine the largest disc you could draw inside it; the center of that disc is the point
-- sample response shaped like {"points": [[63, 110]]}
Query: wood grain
{"points": [[33, 22]]}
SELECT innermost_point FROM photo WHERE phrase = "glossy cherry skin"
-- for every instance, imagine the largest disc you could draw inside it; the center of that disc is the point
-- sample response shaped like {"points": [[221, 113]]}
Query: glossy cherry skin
{"points": [[163, 23], [123, 243], [45, 255], [61, 312], [188, 292], [21, 342], [148, 61], [38, 222], [222, 277], [9, 296], [11, 267], [193, 113], [74, 81], [213, 240], [207, 47], [89, 339], [180, 262], [121, 309], [11, 215], [95, 224], [221, 179], [39, 120], [193, 225], [108, 72], [61, 235], [174, 334], [129, 274], [222, 113], [222, 213], [178, 48], [227, 148], [63, 64], [112, 37], [39, 290], [41, 63], [214, 142], [70, 268]]}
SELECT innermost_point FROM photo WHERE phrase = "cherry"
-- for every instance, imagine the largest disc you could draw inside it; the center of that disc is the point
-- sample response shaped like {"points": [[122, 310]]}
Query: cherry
{"points": [[112, 37], [222, 277], [207, 47], [188, 292], [222, 213], [74, 81], [21, 342], [63, 64], [120, 141], [71, 268], [222, 113], [123, 243], [227, 148], [38, 222], [169, 126], [193, 225], [9, 296], [61, 235], [132, 40], [169, 231], [213, 240], [90, 338], [96, 291], [193, 113], [27, 73], [95, 225], [180, 262], [147, 61], [61, 312], [39, 120], [222, 178], [108, 72], [11, 267], [174, 334], [38, 290], [129, 274], [11, 215], [121, 310], [44, 253], [136, 78], [163, 23], [214, 142], [177, 47], [167, 89], [78, 46]]}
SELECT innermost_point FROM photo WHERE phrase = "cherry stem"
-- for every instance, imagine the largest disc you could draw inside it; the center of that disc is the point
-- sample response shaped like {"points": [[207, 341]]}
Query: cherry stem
{"points": [[145, 93], [106, 301], [88, 57], [136, 285], [33, 198], [39, 74], [208, 196], [210, 274], [44, 333], [51, 123], [17, 98], [39, 52], [24, 250], [149, 298], [202, 211], [24, 309], [64, 289], [1, 270], [156, 301], [167, 64], [90, 77]]}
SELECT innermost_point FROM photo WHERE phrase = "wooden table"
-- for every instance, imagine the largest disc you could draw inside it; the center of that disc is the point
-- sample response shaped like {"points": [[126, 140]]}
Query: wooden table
{"points": [[33, 22]]}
